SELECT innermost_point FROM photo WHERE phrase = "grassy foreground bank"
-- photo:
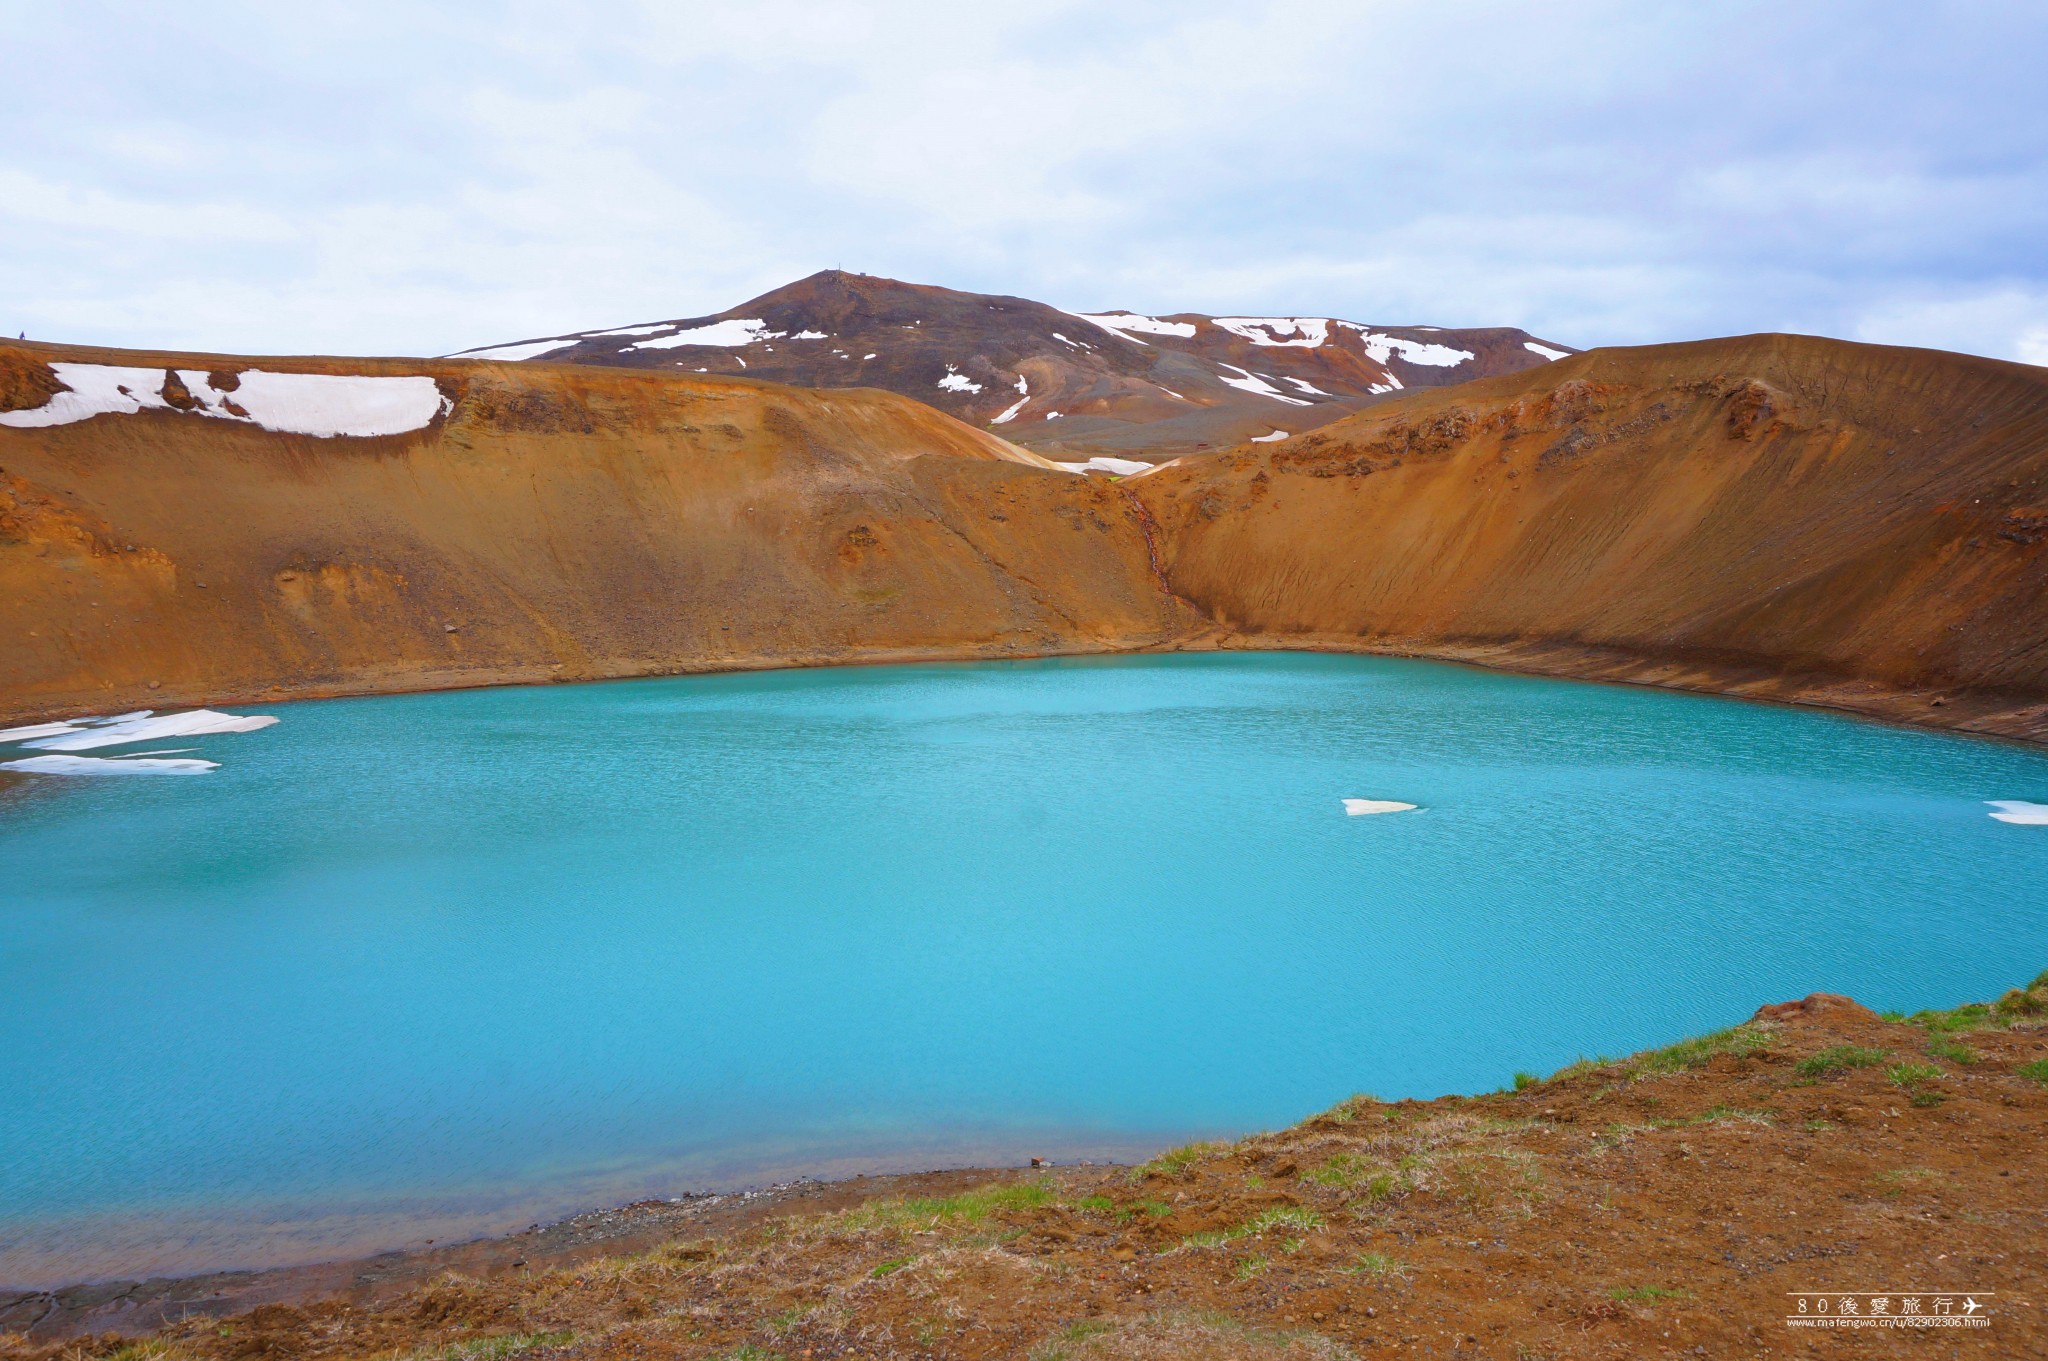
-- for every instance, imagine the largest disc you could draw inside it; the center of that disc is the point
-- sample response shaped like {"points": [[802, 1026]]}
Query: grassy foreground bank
{"points": [[1667, 1203]]}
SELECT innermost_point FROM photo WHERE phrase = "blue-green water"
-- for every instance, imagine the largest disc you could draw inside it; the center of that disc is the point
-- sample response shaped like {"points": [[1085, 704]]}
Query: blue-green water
{"points": [[438, 964]]}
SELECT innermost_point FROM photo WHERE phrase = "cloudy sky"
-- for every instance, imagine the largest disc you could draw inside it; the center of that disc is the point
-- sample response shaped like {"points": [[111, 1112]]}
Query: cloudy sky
{"points": [[415, 178]]}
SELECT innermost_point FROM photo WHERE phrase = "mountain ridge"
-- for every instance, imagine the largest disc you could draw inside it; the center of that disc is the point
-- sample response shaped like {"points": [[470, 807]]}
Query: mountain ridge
{"points": [[1064, 383]]}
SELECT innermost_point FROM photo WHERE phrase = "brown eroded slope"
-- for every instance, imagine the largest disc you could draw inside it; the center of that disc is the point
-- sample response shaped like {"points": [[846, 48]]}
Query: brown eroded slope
{"points": [[1774, 515], [1778, 516], [556, 523]]}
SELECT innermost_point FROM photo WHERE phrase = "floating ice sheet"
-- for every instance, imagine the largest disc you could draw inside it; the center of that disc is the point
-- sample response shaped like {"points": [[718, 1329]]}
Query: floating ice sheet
{"points": [[2019, 812], [1358, 808], [195, 723], [109, 765]]}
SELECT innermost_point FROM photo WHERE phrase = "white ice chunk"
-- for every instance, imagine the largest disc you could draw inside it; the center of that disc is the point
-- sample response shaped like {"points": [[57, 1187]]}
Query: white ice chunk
{"points": [[1546, 351], [194, 723], [1307, 332], [1250, 382], [1268, 439], [1358, 808], [34, 730], [2020, 813], [867, 356], [525, 350], [809, 335], [102, 765], [958, 382], [1379, 345], [1052, 415], [1010, 412], [726, 333]]}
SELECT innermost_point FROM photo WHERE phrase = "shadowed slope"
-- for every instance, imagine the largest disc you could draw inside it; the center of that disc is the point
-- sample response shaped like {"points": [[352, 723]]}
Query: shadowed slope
{"points": [[1776, 515]]}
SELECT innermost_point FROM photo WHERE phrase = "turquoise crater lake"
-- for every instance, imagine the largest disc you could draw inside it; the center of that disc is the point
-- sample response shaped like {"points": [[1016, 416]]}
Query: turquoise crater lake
{"points": [[448, 964]]}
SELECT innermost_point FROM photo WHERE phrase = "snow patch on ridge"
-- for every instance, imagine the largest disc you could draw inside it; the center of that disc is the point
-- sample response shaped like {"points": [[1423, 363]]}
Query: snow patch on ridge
{"points": [[1249, 382], [1122, 323], [1268, 439], [726, 333], [321, 404], [1379, 346], [1122, 467], [1309, 332], [958, 382], [1024, 387], [1546, 351], [531, 349]]}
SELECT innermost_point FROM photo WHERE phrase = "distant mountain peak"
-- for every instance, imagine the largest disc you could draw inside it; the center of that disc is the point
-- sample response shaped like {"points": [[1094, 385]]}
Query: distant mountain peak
{"points": [[1110, 382]]}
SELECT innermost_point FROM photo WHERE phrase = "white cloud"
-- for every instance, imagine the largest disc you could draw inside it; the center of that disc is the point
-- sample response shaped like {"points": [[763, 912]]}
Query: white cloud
{"points": [[395, 178]]}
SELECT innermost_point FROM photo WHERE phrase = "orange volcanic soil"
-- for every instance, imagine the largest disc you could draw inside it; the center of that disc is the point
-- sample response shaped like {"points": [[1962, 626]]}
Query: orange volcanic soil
{"points": [[1777, 516]]}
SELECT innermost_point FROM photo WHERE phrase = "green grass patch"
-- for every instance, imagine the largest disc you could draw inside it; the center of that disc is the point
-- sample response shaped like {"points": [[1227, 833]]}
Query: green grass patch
{"points": [[1738, 1041], [1524, 1081], [969, 1207], [1839, 1059], [2037, 1070], [1942, 1048], [1375, 1264], [1175, 1161], [894, 1264], [1647, 1294], [1910, 1075], [1279, 1217], [1248, 1267]]}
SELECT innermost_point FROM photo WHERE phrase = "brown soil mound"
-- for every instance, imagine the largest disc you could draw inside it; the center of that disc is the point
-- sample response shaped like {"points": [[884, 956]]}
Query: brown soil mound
{"points": [[1670, 1204], [1773, 516]]}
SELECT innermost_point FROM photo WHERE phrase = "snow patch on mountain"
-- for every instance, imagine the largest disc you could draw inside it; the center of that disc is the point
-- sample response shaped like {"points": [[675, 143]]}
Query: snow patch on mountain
{"points": [[726, 333], [1307, 332], [1250, 382], [1379, 346], [318, 404], [512, 354], [1122, 323], [1546, 351], [958, 382]]}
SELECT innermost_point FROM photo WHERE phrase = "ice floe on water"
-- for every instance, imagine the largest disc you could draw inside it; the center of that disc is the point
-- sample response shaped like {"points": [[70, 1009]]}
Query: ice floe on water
{"points": [[1122, 323], [143, 725], [321, 404], [1358, 808], [1299, 332], [1546, 351], [2019, 812], [1268, 439], [110, 765], [149, 728], [1250, 382]]}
